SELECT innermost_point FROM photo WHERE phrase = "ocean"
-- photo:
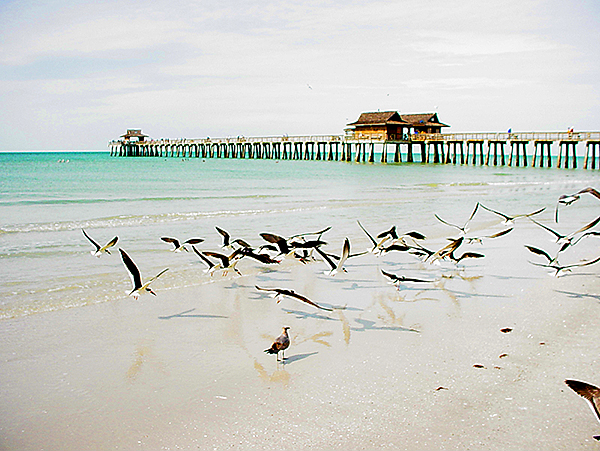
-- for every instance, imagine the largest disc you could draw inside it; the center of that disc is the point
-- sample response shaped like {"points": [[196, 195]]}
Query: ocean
{"points": [[47, 198]]}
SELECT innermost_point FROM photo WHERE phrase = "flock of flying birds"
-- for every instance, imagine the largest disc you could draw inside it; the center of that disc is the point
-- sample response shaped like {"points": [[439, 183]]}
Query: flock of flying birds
{"points": [[309, 247]]}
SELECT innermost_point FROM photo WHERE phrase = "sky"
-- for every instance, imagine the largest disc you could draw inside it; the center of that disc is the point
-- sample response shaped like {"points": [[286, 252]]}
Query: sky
{"points": [[76, 74]]}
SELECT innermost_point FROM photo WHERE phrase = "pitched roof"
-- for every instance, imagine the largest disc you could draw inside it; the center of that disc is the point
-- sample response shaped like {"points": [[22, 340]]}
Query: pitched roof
{"points": [[380, 118], [134, 133], [423, 119]]}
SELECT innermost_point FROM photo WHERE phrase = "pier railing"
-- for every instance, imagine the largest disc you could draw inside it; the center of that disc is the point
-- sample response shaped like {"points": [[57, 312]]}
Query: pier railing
{"points": [[475, 148]]}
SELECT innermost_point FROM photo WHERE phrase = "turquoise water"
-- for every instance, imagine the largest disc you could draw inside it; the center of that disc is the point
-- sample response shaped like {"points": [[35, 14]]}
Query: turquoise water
{"points": [[47, 198]]}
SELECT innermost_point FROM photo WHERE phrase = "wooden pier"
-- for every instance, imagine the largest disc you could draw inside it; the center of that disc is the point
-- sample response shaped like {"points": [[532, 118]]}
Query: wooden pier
{"points": [[489, 149]]}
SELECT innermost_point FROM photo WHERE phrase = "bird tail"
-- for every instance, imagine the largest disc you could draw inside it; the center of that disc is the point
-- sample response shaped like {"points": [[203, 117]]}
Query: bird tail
{"points": [[271, 351]]}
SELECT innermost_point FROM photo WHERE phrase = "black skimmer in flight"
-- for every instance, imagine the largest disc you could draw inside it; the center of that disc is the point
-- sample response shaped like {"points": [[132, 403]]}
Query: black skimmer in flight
{"points": [[280, 344], [279, 293], [339, 266], [558, 268], [511, 219], [178, 247], [227, 263], [210, 265], [399, 280], [568, 199], [228, 242], [464, 255], [446, 250], [479, 239], [465, 227], [567, 240], [376, 249], [590, 393], [543, 253], [101, 249], [279, 241], [136, 277]]}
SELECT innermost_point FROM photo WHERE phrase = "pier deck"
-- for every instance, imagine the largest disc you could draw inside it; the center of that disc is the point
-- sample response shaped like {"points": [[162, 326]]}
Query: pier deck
{"points": [[497, 149]]}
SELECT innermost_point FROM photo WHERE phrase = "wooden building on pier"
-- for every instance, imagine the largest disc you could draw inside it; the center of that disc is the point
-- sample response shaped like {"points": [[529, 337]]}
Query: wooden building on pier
{"points": [[393, 126], [134, 135], [424, 123], [381, 126]]}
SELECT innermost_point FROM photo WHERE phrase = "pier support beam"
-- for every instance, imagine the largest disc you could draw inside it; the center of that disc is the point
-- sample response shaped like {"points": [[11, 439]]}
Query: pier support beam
{"points": [[515, 151], [590, 149], [567, 146], [494, 145]]}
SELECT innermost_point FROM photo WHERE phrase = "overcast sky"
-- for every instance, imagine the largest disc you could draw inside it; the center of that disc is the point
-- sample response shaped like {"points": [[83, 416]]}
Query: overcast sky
{"points": [[76, 74]]}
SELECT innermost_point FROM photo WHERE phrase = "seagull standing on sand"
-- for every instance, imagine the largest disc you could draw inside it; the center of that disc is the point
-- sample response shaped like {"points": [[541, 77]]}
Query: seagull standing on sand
{"points": [[101, 249], [136, 277], [280, 344], [590, 393]]}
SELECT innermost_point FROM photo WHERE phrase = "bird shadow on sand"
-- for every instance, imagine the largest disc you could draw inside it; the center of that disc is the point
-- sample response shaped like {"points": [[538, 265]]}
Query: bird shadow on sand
{"points": [[575, 295], [304, 315], [185, 314], [371, 325], [297, 357]]}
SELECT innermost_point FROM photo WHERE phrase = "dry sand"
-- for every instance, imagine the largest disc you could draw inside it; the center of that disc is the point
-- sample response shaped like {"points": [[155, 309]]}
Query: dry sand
{"points": [[415, 369]]}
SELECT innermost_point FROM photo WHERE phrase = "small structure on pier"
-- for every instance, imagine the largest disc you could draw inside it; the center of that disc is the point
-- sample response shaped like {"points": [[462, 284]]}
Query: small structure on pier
{"points": [[424, 123], [383, 126], [393, 126], [134, 135]]}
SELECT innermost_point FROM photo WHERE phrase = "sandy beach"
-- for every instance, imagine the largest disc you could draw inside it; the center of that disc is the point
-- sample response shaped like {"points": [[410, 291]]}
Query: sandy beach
{"points": [[419, 368]]}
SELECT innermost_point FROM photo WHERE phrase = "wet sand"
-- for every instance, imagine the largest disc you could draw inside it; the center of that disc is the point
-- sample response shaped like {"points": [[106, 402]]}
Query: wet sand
{"points": [[421, 368]]}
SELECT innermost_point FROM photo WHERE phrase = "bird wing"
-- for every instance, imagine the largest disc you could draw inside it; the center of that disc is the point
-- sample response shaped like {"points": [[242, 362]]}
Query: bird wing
{"points": [[271, 238], [226, 236], [448, 249], [193, 241], [326, 258], [586, 227], [396, 247], [528, 215], [447, 223], [111, 243], [496, 212], [501, 233], [389, 275], [173, 241], [368, 234], [320, 232], [470, 255], [553, 232], [302, 298], [391, 232], [134, 272], [590, 392], [156, 276], [415, 235], [241, 242], [224, 258], [412, 279], [273, 290], [539, 251], [203, 258], [472, 214], [96, 245], [591, 191], [345, 253], [586, 263]]}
